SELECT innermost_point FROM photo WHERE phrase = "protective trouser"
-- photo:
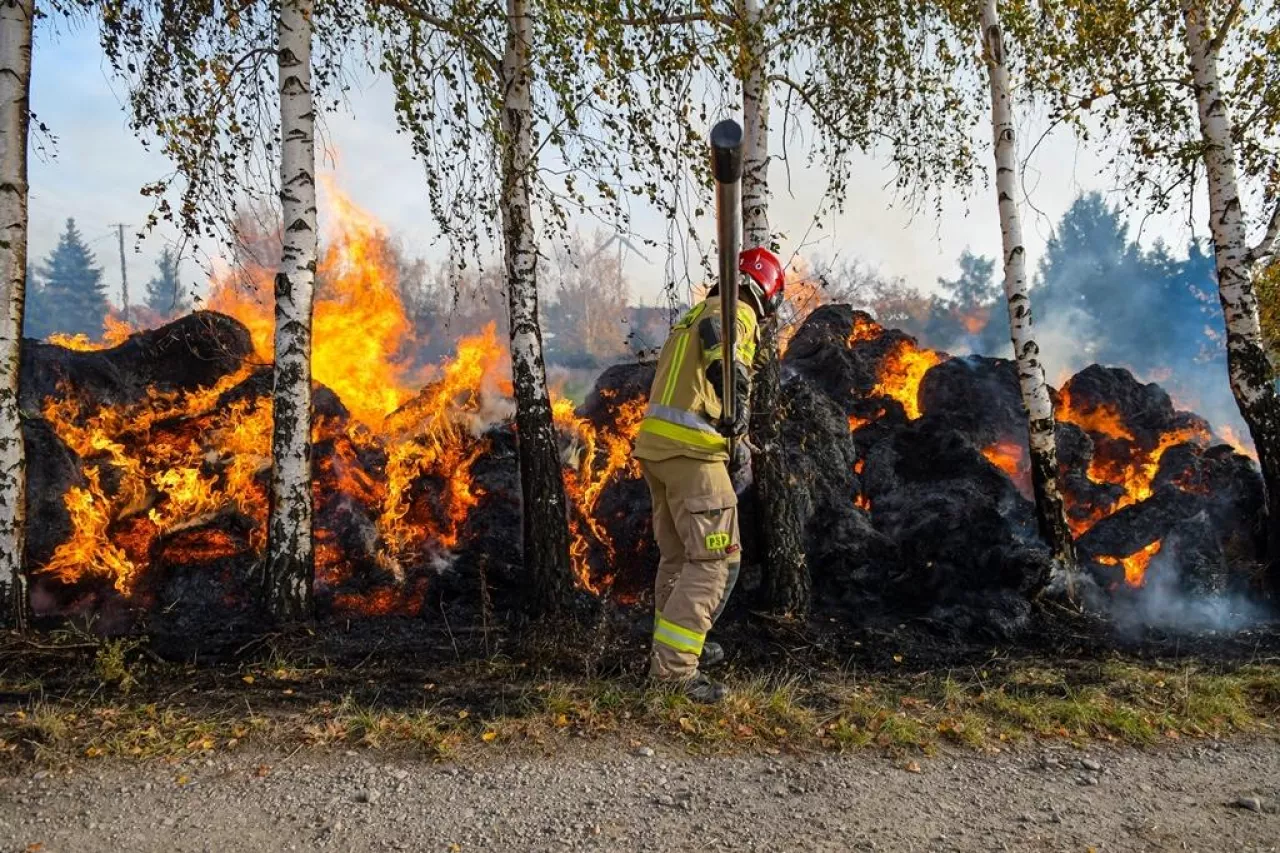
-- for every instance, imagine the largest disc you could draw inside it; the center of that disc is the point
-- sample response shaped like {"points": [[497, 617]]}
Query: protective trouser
{"points": [[695, 520]]}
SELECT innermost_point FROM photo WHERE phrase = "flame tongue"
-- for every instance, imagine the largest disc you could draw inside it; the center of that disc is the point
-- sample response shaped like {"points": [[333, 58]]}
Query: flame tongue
{"points": [[1135, 565]]}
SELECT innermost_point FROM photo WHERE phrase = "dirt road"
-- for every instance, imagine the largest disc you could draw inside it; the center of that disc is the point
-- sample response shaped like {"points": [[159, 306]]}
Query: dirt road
{"points": [[1201, 797]]}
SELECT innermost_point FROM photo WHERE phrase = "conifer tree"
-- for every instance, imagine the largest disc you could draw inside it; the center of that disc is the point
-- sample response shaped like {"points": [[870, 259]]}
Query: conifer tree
{"points": [[164, 290], [73, 295]]}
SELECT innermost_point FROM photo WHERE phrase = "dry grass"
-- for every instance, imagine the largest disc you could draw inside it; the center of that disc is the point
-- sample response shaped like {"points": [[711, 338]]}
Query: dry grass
{"points": [[1117, 702]]}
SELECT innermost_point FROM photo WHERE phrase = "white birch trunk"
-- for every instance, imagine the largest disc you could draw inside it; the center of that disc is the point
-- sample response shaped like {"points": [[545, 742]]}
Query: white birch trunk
{"points": [[16, 18], [755, 124], [1247, 363], [1050, 509], [544, 519], [787, 573], [290, 562]]}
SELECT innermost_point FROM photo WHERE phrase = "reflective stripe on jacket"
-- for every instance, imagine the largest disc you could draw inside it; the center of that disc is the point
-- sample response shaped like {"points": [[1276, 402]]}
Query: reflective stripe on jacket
{"points": [[683, 406]]}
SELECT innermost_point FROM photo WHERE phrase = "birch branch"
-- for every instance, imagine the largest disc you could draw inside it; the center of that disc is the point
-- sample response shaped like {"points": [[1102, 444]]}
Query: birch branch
{"points": [[1270, 241]]}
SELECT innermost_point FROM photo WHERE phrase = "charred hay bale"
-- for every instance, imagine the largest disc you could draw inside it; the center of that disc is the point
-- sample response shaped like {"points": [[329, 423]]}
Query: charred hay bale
{"points": [[487, 574], [618, 383], [191, 352], [842, 351], [630, 556], [959, 523], [1174, 519], [1145, 410], [52, 470], [1232, 488], [848, 559], [1083, 495], [203, 590], [1206, 511], [977, 395]]}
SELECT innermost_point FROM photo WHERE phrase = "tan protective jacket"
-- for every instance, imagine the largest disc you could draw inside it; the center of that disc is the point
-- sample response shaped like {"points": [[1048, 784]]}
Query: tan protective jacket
{"points": [[683, 406]]}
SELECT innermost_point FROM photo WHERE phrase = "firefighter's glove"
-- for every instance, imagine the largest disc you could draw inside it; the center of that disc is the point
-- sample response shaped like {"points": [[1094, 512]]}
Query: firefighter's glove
{"points": [[741, 398]]}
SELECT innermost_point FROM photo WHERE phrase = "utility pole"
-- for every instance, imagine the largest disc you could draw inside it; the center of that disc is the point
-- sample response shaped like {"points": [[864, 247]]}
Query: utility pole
{"points": [[124, 276]]}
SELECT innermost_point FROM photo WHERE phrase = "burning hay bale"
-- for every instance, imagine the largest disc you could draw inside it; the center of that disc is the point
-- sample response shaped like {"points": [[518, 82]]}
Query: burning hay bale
{"points": [[192, 352], [909, 474]]}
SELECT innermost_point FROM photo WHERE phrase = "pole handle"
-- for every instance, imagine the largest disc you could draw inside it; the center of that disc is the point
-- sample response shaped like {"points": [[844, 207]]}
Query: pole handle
{"points": [[726, 151]]}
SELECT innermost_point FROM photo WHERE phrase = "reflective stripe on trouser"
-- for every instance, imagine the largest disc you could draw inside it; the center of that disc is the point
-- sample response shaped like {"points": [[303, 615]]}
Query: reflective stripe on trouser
{"points": [[696, 524]]}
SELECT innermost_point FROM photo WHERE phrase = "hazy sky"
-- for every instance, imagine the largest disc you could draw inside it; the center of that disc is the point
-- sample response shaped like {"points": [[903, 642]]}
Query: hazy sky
{"points": [[95, 167]]}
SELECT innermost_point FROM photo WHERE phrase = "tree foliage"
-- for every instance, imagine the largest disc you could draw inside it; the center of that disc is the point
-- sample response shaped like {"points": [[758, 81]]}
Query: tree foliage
{"points": [[202, 90], [1118, 71]]}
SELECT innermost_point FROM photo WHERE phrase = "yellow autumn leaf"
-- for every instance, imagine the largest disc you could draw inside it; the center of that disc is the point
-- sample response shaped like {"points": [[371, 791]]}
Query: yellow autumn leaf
{"points": [[462, 715], [489, 737], [248, 679]]}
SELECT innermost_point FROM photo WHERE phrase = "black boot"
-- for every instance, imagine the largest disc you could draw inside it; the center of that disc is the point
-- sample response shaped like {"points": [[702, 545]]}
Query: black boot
{"points": [[704, 691], [712, 655]]}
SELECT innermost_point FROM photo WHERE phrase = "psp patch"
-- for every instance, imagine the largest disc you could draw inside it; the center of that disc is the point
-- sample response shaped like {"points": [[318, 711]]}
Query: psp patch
{"points": [[717, 541]]}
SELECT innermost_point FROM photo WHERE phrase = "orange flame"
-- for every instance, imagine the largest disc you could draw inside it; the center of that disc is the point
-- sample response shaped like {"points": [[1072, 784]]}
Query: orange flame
{"points": [[160, 473], [902, 372], [1135, 565], [602, 456], [1120, 461]]}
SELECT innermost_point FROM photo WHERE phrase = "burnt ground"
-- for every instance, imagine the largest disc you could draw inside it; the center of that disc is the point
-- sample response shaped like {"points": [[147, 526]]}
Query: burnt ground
{"points": [[609, 797]]}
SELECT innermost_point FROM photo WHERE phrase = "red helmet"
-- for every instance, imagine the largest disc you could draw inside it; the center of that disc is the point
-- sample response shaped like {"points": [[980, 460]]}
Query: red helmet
{"points": [[765, 277]]}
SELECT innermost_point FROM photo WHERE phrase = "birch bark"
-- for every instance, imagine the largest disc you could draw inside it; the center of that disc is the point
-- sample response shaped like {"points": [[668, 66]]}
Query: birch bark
{"points": [[1050, 510], [16, 18], [1248, 367], [290, 560], [786, 570], [544, 516]]}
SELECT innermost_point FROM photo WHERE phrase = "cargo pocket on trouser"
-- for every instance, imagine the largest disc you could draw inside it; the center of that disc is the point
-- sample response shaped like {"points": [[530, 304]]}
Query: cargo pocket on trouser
{"points": [[710, 528]]}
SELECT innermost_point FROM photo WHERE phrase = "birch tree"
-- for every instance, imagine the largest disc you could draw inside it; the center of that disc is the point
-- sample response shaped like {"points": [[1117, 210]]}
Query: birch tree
{"points": [[873, 77], [290, 561], [1186, 91], [790, 585], [1050, 508], [519, 129], [230, 95], [16, 24]]}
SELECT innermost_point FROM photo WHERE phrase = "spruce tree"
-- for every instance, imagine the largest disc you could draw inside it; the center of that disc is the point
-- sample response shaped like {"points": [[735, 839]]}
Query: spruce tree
{"points": [[73, 293], [164, 291]]}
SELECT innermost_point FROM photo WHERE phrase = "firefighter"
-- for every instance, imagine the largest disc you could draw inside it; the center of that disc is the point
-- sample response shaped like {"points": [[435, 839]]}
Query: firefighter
{"points": [[684, 452]]}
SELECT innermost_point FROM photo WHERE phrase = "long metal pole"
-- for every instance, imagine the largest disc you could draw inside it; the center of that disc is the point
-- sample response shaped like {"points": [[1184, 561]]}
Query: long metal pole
{"points": [[726, 165]]}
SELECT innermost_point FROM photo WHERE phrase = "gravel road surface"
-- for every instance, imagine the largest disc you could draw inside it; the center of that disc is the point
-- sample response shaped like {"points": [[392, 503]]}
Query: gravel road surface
{"points": [[1206, 797]]}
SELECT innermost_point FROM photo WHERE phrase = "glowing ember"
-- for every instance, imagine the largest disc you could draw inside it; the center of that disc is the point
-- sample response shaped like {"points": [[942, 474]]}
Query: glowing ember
{"points": [[864, 329], [1135, 565], [863, 503], [902, 372]]}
